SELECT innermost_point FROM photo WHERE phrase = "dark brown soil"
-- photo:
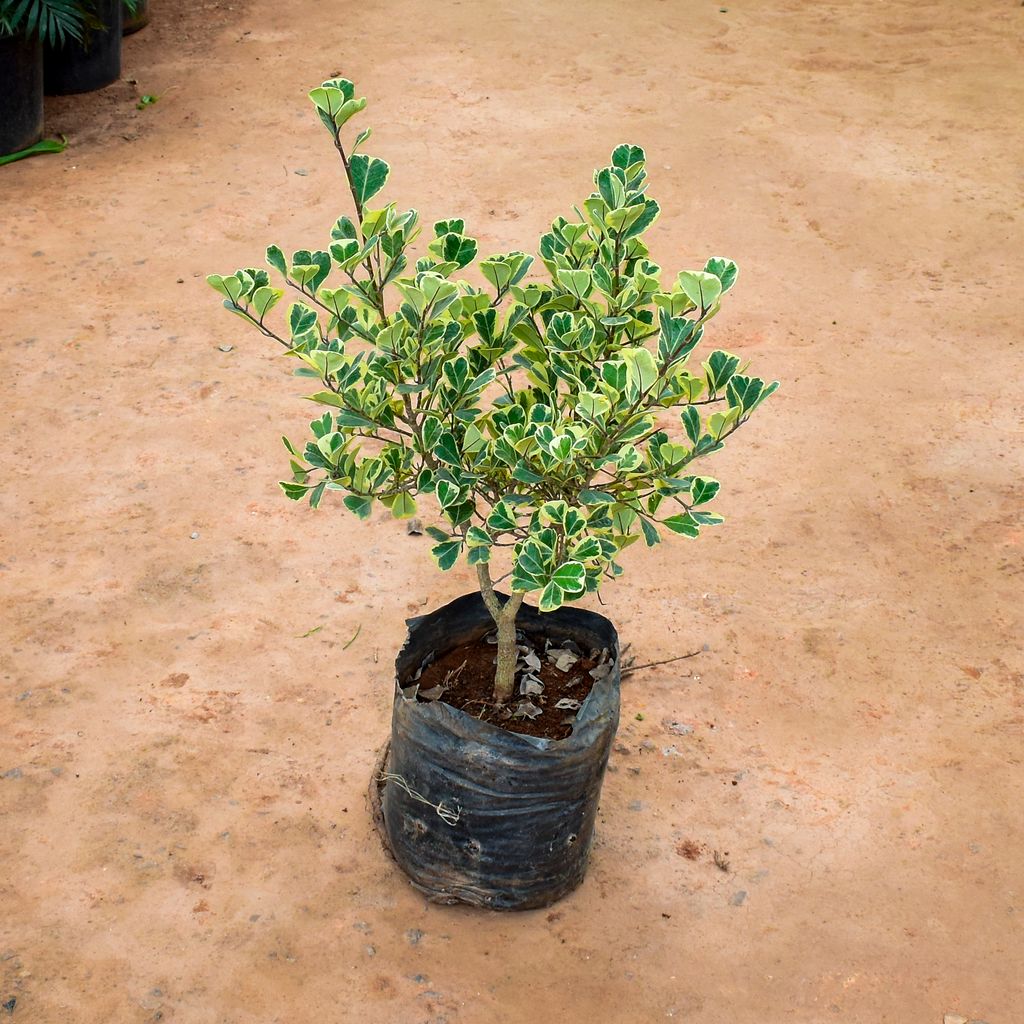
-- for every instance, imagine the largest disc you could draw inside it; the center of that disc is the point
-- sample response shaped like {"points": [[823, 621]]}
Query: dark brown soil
{"points": [[467, 673]]}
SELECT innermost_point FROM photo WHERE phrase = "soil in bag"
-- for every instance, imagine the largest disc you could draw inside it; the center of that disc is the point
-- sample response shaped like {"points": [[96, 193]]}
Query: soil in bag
{"points": [[553, 679]]}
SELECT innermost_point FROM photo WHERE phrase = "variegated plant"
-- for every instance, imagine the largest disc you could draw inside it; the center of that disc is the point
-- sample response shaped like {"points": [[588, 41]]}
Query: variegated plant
{"points": [[531, 410]]}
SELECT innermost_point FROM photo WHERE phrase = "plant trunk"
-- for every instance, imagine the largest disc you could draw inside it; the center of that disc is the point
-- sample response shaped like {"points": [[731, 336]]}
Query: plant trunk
{"points": [[504, 616]]}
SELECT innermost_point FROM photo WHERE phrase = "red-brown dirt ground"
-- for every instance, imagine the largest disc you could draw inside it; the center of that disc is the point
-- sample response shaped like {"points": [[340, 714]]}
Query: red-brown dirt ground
{"points": [[183, 775]]}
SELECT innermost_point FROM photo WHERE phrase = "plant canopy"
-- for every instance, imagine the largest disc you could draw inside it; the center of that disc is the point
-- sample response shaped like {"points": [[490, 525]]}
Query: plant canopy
{"points": [[553, 418]]}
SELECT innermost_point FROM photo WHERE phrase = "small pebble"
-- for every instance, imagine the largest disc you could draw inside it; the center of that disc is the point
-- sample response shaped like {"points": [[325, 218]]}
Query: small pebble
{"points": [[679, 728], [11, 1004], [225, 348], [954, 1018], [414, 935], [12, 773], [636, 805], [737, 900], [301, 172], [194, 536], [371, 951]]}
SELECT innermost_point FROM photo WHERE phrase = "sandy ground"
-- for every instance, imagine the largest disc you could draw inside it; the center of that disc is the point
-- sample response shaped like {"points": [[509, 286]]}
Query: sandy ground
{"points": [[185, 836]]}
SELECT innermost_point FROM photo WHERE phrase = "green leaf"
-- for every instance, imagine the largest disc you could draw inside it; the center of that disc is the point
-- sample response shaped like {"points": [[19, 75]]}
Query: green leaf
{"points": [[749, 392], [348, 110], [720, 367], [316, 494], [579, 283], [650, 533], [456, 372], [525, 475], [589, 497], [641, 367], [431, 431], [502, 517], [404, 506], [264, 299], [725, 270], [587, 549], [344, 229], [448, 494], [498, 271], [591, 405], [646, 219], [346, 252], [447, 449], [359, 505], [459, 249], [230, 287], [691, 423], [551, 598], [620, 220], [707, 518], [446, 554], [295, 491], [625, 156], [475, 537], [275, 257], [702, 289], [368, 176], [449, 227], [570, 577], [301, 319], [703, 489], [682, 524], [614, 374]]}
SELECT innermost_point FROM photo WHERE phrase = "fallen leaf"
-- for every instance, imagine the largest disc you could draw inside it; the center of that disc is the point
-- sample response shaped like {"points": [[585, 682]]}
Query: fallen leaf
{"points": [[562, 659], [527, 710], [531, 685]]}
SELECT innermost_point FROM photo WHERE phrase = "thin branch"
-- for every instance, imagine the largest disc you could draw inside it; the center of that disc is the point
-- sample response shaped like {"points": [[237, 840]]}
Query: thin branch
{"points": [[666, 661]]}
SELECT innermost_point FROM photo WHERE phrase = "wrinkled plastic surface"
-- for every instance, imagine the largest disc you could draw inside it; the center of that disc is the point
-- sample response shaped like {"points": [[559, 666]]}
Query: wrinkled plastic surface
{"points": [[21, 93], [82, 67], [526, 805]]}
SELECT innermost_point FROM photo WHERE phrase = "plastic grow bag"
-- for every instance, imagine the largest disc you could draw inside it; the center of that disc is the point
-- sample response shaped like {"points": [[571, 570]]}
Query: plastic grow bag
{"points": [[21, 93], [83, 67], [476, 814]]}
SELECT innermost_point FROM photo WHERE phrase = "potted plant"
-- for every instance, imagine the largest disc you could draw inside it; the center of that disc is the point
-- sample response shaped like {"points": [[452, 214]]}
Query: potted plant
{"points": [[136, 16], [25, 26], [533, 416], [93, 60]]}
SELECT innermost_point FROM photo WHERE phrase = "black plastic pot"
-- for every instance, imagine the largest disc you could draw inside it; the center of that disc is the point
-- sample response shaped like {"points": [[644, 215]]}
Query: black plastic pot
{"points": [[21, 93], [140, 19], [84, 67], [476, 814]]}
